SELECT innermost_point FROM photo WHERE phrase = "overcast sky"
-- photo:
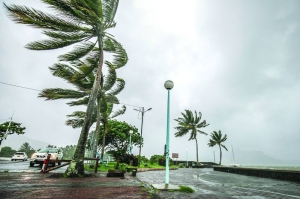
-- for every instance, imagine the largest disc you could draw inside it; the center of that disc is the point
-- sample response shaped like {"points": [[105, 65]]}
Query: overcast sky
{"points": [[237, 62]]}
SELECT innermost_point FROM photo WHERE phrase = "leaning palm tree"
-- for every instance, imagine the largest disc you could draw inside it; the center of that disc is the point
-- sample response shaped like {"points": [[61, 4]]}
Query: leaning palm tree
{"points": [[82, 79], [75, 21], [217, 139], [106, 114], [189, 123]]}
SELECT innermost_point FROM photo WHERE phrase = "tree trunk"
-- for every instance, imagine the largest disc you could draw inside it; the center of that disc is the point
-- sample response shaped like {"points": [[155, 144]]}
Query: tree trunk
{"points": [[196, 149], [96, 141], [220, 155], [103, 141], [76, 167]]}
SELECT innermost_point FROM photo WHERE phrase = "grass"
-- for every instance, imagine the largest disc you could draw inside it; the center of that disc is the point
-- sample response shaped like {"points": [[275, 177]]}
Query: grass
{"points": [[186, 189], [111, 166]]}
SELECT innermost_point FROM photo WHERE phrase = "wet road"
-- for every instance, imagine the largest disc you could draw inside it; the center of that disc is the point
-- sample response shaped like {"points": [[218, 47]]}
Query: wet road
{"points": [[214, 184], [22, 166]]}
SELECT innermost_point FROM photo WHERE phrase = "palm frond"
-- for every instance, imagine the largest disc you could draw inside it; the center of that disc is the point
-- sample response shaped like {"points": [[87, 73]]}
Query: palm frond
{"points": [[78, 52], [58, 93], [118, 112], [50, 44]]}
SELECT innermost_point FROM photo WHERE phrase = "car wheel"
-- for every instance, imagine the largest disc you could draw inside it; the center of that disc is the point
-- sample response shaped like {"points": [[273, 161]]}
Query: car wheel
{"points": [[31, 164]]}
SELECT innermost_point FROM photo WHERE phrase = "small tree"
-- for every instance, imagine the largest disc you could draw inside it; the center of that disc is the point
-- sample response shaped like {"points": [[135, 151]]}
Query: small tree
{"points": [[217, 139], [25, 147], [7, 152], [11, 128]]}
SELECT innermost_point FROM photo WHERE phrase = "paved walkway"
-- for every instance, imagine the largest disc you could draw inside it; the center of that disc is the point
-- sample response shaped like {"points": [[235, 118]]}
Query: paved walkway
{"points": [[49, 185]]}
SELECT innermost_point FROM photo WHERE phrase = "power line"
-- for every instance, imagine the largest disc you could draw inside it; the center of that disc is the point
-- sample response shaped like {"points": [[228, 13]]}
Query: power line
{"points": [[19, 86], [41, 90]]}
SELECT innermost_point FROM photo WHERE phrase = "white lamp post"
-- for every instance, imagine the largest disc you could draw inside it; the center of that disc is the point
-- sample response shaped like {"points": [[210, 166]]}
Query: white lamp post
{"points": [[130, 133], [168, 85], [187, 165]]}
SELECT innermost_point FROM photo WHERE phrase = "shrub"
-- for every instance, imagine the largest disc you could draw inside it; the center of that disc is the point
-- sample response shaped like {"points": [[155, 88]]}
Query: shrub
{"points": [[182, 165], [129, 158], [186, 189]]}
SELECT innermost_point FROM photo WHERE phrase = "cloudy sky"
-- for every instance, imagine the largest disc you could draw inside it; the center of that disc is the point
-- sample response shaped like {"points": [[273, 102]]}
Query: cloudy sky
{"points": [[237, 62]]}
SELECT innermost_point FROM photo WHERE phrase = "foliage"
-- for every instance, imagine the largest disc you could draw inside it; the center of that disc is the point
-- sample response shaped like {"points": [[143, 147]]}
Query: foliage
{"points": [[129, 159], [7, 152], [51, 146], [76, 22], [190, 123], [117, 138], [160, 160], [25, 147], [12, 127], [143, 159], [217, 139], [186, 189], [182, 165], [68, 151]]}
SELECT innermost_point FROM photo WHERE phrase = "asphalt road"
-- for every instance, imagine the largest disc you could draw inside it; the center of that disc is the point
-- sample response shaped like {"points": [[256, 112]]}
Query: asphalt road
{"points": [[22, 166], [208, 183]]}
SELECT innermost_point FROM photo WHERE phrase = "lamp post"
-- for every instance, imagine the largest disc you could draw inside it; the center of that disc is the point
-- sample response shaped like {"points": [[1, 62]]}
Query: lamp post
{"points": [[130, 133], [141, 111], [168, 85], [214, 157], [187, 165]]}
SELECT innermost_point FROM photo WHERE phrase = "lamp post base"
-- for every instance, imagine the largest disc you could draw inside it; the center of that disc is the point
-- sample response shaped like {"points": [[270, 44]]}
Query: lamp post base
{"points": [[165, 187]]}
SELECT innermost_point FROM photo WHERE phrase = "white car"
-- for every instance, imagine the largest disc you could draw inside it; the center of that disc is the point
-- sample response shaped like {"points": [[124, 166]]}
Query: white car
{"points": [[19, 156], [39, 156]]}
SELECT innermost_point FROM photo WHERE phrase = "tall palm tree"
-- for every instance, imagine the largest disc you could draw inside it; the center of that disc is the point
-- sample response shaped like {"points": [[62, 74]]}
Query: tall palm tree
{"points": [[75, 21], [189, 123], [217, 139], [106, 114], [82, 79]]}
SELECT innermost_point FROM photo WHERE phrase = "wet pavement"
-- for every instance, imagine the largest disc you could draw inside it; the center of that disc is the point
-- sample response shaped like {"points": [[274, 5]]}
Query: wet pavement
{"points": [[18, 180], [214, 184]]}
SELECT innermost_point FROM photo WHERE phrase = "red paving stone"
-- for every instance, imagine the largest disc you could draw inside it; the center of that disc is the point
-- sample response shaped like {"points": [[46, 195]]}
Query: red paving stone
{"points": [[37, 185]]}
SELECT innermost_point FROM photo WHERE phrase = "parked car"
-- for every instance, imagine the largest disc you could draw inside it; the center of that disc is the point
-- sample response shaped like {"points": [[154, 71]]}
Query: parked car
{"points": [[39, 156], [19, 156]]}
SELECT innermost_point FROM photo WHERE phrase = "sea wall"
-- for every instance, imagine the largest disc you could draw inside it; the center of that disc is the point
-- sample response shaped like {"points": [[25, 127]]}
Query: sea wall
{"points": [[265, 173]]}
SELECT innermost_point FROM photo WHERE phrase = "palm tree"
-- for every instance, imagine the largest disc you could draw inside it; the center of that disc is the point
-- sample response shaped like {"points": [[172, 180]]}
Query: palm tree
{"points": [[217, 139], [106, 114], [81, 77], [189, 123], [75, 21]]}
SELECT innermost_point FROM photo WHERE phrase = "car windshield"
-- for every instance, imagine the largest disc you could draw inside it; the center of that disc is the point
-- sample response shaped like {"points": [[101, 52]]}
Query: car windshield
{"points": [[19, 154], [46, 150]]}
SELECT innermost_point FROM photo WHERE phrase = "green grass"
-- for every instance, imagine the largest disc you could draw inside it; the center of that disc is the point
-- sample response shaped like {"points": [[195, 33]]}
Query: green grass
{"points": [[111, 166], [186, 189]]}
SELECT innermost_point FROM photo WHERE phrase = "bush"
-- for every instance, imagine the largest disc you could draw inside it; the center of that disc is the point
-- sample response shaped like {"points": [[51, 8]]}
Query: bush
{"points": [[182, 165], [186, 189], [129, 158]]}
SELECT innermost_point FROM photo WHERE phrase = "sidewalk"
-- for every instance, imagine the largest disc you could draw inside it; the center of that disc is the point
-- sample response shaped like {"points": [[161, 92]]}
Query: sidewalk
{"points": [[52, 185]]}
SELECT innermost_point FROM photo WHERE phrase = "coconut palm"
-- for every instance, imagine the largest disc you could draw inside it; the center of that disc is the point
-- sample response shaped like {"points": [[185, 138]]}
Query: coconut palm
{"points": [[217, 139], [190, 124], [106, 114], [76, 21], [82, 79]]}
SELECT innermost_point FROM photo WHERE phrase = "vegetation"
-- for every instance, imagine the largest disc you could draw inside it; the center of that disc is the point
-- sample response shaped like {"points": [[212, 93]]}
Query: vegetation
{"points": [[186, 189], [117, 138], [11, 128], [25, 147], [75, 21], [68, 151], [189, 123], [217, 139], [7, 152]]}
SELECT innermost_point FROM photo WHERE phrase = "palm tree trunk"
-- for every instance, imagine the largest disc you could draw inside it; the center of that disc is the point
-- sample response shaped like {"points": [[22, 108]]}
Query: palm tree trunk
{"points": [[220, 155], [76, 167], [196, 149], [97, 129], [103, 141]]}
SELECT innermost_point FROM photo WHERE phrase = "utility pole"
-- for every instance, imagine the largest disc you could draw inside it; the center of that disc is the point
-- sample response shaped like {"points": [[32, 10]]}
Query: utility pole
{"points": [[141, 111]]}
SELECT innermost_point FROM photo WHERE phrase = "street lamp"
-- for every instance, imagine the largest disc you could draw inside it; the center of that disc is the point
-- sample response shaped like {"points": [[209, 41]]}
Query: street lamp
{"points": [[168, 85], [187, 158], [130, 133], [214, 157], [142, 111]]}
